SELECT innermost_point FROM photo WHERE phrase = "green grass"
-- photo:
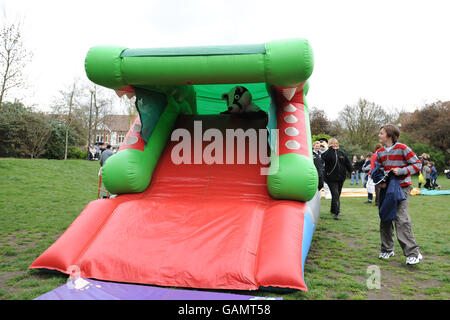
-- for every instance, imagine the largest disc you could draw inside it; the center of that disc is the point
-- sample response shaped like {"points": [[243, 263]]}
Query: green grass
{"points": [[39, 199]]}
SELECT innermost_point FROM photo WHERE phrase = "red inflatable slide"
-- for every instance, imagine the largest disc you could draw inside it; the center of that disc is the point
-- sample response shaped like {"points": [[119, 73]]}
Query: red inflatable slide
{"points": [[201, 226]]}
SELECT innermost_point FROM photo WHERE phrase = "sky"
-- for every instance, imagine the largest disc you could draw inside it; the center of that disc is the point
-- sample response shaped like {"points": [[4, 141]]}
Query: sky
{"points": [[393, 53]]}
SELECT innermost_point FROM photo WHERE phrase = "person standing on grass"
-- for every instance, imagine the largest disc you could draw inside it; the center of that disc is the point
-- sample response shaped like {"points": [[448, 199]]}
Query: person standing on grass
{"points": [[362, 161], [318, 163], [424, 157], [336, 164], [372, 166], [426, 171], [402, 161], [105, 155], [356, 168], [433, 176], [369, 183]]}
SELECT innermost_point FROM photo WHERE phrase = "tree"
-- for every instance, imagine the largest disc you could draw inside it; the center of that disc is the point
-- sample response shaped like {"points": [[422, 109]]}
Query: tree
{"points": [[63, 109], [36, 132], [102, 106], [335, 129], [430, 125], [436, 155], [13, 58], [72, 107], [88, 109], [56, 144], [362, 122], [22, 131], [69, 119], [318, 121], [317, 137], [131, 109], [11, 117], [70, 110]]}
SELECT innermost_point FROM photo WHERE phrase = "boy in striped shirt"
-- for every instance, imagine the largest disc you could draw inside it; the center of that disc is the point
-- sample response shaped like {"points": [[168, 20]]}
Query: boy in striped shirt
{"points": [[403, 162]]}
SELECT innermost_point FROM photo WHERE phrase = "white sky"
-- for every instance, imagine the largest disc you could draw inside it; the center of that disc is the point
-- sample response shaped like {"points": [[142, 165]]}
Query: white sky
{"points": [[394, 53]]}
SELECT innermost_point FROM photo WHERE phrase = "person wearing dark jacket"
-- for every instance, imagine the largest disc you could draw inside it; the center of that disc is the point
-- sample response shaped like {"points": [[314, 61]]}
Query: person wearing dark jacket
{"points": [[336, 166], [356, 169], [105, 155], [318, 163]]}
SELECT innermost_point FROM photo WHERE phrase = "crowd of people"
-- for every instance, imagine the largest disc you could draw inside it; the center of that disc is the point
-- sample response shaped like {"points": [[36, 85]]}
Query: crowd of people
{"points": [[386, 174]]}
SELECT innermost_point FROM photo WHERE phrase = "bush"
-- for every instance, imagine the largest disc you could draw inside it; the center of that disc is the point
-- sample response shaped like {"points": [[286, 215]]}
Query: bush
{"points": [[351, 149], [76, 153], [437, 156], [11, 124], [22, 131], [319, 136], [22, 134], [344, 144], [56, 144]]}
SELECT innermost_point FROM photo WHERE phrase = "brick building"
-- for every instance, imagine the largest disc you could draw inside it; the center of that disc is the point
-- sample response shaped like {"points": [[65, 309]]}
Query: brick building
{"points": [[112, 129]]}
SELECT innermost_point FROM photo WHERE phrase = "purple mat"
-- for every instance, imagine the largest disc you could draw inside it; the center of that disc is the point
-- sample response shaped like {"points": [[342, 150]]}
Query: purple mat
{"points": [[89, 289]]}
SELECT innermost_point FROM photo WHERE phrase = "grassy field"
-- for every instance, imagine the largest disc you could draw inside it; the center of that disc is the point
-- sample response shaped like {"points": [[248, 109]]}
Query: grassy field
{"points": [[39, 199]]}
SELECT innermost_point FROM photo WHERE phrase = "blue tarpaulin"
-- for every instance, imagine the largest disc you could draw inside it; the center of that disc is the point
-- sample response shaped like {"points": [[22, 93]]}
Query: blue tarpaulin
{"points": [[426, 192], [89, 289]]}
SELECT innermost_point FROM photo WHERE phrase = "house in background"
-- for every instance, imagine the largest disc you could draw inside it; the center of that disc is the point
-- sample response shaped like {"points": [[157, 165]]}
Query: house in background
{"points": [[112, 129]]}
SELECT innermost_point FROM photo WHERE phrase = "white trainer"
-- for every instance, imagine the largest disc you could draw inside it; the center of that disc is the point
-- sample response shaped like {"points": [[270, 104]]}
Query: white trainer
{"points": [[386, 255], [414, 260]]}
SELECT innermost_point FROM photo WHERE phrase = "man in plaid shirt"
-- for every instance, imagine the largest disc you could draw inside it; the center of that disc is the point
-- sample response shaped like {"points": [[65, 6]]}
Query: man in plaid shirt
{"points": [[403, 162]]}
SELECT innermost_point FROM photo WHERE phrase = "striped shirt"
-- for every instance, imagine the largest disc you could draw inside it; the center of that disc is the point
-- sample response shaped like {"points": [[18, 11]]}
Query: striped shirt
{"points": [[399, 156]]}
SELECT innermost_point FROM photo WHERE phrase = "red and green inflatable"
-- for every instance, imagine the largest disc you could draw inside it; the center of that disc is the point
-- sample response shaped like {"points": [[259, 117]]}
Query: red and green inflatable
{"points": [[202, 225]]}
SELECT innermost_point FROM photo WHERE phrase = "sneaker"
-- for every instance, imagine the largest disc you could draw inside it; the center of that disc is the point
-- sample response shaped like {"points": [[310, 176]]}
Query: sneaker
{"points": [[336, 216], [386, 255], [368, 201], [414, 260]]}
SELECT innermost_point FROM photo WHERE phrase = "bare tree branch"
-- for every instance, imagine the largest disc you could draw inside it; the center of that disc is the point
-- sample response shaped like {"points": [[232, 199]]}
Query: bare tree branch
{"points": [[363, 120], [13, 58]]}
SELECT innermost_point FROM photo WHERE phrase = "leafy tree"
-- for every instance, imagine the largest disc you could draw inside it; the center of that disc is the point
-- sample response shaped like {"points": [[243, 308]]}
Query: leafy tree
{"points": [[351, 149], [22, 131], [436, 155], [317, 137], [55, 147], [430, 125], [34, 133], [11, 117]]}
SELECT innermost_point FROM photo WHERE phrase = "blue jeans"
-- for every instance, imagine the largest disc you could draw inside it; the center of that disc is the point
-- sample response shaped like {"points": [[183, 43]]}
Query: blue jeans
{"points": [[355, 176]]}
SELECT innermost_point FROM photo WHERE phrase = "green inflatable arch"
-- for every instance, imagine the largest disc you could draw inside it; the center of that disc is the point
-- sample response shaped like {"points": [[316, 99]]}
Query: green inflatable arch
{"points": [[190, 80]]}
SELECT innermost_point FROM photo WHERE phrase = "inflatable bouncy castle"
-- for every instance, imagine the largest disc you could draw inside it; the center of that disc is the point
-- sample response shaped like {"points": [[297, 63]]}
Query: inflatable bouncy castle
{"points": [[205, 198]]}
